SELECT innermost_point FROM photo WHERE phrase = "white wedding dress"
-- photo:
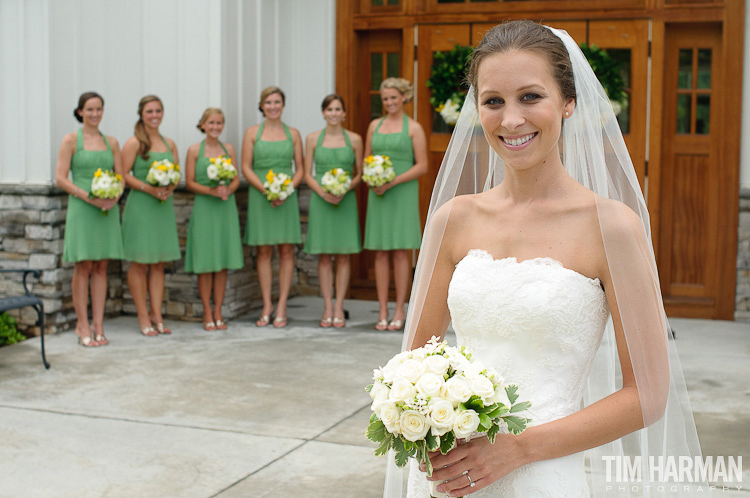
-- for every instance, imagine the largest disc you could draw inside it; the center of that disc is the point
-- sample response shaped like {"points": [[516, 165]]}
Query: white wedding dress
{"points": [[539, 325]]}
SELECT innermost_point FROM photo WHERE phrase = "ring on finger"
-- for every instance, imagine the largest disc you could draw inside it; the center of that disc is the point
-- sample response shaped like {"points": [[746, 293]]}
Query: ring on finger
{"points": [[471, 483]]}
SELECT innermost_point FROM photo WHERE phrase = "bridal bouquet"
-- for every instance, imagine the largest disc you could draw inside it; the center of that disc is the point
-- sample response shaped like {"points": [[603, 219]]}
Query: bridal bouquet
{"points": [[336, 182], [106, 185], [378, 170], [221, 170], [278, 186], [427, 398]]}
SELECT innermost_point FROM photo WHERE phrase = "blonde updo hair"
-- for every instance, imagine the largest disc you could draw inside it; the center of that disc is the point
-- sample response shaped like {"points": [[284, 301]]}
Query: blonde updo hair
{"points": [[207, 114], [404, 87], [268, 91]]}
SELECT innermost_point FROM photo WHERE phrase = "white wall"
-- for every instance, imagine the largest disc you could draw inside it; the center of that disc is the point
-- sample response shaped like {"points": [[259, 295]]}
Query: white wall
{"points": [[191, 53]]}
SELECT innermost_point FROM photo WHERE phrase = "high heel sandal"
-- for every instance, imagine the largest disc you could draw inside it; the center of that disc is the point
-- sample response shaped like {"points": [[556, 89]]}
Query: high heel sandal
{"points": [[279, 322], [396, 325], [86, 341], [326, 322], [339, 322], [221, 325], [382, 324], [162, 329], [263, 321], [149, 331], [101, 340]]}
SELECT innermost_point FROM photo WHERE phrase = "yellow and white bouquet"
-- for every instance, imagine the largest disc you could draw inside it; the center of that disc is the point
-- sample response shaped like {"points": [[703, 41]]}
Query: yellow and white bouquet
{"points": [[163, 173], [106, 185], [378, 170], [426, 399], [221, 171], [449, 111], [336, 181], [278, 186]]}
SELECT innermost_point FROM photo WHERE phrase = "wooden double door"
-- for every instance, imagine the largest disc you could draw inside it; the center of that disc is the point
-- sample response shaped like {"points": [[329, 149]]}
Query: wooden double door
{"points": [[670, 123]]}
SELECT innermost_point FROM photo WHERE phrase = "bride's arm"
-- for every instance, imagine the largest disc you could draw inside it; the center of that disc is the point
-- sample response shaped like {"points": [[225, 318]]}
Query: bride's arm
{"points": [[606, 420]]}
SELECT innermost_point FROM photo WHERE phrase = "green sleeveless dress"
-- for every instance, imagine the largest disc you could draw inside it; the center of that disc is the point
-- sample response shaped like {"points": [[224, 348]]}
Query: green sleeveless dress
{"points": [[149, 228], [333, 229], [267, 225], [89, 235], [213, 240], [392, 220]]}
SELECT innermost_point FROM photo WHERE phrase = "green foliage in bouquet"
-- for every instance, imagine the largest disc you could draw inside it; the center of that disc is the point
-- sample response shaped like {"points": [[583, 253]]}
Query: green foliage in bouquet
{"points": [[607, 71], [490, 419], [448, 78], [9, 334]]}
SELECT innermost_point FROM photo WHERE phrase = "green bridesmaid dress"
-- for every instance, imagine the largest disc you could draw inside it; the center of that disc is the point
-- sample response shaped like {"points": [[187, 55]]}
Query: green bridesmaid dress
{"points": [[213, 240], [333, 229], [392, 220], [90, 235], [268, 225], [149, 228]]}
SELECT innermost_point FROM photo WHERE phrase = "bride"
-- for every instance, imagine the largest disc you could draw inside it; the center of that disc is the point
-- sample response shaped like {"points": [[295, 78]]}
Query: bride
{"points": [[546, 270]]}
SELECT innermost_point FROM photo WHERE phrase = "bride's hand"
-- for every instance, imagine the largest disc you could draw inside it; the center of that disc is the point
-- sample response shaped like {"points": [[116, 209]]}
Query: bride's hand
{"points": [[478, 462]]}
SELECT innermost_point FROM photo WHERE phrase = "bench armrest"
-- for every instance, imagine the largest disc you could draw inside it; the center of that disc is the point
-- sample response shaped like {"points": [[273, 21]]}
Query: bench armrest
{"points": [[26, 272]]}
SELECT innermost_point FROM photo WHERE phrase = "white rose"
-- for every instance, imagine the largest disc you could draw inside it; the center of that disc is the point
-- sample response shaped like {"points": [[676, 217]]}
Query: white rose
{"points": [[275, 188], [389, 414], [441, 416], [212, 172], [379, 394], [413, 425], [472, 370], [401, 390], [466, 422], [457, 390], [437, 364], [283, 196], [483, 387], [411, 370], [430, 384], [105, 181], [161, 178], [391, 368]]}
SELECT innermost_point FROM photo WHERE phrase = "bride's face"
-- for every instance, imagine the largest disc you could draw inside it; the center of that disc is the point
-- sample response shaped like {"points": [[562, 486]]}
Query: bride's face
{"points": [[521, 108]]}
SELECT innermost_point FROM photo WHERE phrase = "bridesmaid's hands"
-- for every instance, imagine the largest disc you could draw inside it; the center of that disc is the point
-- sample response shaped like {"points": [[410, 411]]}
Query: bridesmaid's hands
{"points": [[383, 188], [162, 193], [277, 202], [479, 459], [330, 198], [103, 204], [221, 191]]}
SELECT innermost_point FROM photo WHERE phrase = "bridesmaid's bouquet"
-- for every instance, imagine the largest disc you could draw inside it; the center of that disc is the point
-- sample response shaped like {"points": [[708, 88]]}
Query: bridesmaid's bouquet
{"points": [[378, 170], [106, 185], [163, 173], [336, 182], [221, 171], [278, 186], [426, 399]]}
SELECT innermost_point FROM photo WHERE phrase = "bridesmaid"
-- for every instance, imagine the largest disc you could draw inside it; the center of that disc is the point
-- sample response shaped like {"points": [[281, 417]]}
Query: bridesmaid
{"points": [[392, 224], [149, 228], [213, 242], [91, 239], [272, 145], [334, 224]]}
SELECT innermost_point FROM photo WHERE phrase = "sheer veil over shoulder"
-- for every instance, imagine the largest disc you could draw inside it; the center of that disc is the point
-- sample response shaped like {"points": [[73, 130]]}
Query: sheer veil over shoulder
{"points": [[594, 154]]}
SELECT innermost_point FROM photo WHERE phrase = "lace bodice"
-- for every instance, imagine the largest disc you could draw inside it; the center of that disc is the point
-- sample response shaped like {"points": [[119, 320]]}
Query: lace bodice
{"points": [[539, 325]]}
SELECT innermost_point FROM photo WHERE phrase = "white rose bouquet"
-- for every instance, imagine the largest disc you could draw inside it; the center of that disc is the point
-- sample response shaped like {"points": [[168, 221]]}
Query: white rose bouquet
{"points": [[278, 186], [426, 399], [378, 170], [106, 185], [163, 174], [221, 171], [336, 182]]}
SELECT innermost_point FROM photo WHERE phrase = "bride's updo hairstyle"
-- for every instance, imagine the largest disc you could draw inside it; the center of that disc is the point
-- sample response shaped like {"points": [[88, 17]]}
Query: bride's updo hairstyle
{"points": [[403, 86], [140, 128], [526, 36]]}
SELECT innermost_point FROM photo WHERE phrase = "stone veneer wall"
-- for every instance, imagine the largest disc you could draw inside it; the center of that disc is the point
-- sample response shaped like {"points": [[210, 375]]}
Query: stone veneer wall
{"points": [[742, 296], [32, 225]]}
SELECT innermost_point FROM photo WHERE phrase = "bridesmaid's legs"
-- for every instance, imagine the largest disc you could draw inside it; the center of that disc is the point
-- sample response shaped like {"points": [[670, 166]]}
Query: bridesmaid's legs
{"points": [[401, 271], [325, 275], [80, 288], [138, 289], [205, 282], [286, 272], [156, 291], [265, 278], [98, 298], [343, 274], [220, 288], [382, 279]]}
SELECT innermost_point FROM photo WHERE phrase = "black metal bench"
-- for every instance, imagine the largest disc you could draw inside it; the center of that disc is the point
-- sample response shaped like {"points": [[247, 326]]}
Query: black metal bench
{"points": [[28, 299]]}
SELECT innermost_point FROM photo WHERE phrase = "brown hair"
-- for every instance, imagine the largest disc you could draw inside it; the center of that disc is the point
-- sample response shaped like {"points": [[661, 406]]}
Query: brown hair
{"points": [[330, 98], [268, 91], [403, 86], [85, 97], [140, 128], [532, 37], [207, 114]]}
